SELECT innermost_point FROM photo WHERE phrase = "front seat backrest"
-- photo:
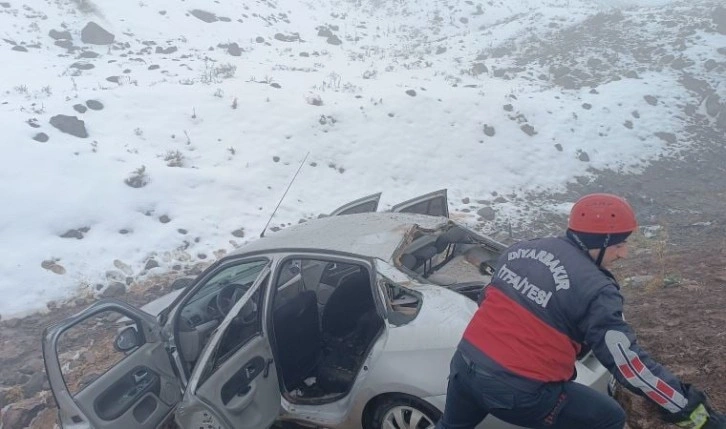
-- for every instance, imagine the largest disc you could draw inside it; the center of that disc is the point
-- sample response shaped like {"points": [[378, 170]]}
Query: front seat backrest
{"points": [[349, 301]]}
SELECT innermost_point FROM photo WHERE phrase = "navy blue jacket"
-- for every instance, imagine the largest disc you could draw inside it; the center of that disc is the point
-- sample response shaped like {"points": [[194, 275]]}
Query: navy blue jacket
{"points": [[546, 302]]}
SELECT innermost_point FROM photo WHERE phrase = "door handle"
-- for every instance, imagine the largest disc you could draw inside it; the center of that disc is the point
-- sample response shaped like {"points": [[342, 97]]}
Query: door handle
{"points": [[266, 372]]}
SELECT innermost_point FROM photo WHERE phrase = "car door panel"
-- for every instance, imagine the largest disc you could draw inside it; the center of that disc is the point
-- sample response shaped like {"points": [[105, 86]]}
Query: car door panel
{"points": [[236, 385], [139, 391], [433, 204], [366, 204]]}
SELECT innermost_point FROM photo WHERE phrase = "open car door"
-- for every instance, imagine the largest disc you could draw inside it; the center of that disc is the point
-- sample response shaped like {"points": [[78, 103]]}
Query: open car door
{"points": [[432, 204], [234, 384], [138, 389], [367, 204]]}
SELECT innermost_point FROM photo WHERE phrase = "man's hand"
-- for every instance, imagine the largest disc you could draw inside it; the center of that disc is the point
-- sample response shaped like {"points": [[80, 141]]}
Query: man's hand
{"points": [[698, 414], [716, 421]]}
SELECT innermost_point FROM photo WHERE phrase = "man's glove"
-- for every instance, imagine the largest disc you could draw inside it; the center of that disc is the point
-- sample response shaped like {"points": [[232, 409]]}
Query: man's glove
{"points": [[698, 414]]}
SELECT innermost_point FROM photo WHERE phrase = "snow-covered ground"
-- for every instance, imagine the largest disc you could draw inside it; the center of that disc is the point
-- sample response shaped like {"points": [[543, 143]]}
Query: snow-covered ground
{"points": [[196, 116]]}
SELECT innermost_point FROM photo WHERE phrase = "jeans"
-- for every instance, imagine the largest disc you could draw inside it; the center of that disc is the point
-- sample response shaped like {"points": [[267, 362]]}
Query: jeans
{"points": [[473, 394]]}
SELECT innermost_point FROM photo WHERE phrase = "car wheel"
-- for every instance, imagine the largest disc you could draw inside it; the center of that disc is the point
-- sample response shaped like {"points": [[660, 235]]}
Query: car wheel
{"points": [[404, 412]]}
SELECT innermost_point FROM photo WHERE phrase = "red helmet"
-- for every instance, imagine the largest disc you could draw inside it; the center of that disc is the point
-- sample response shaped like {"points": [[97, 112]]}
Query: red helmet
{"points": [[602, 214]]}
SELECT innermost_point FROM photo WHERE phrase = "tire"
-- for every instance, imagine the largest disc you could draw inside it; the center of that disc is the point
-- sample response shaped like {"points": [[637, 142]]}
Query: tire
{"points": [[404, 412]]}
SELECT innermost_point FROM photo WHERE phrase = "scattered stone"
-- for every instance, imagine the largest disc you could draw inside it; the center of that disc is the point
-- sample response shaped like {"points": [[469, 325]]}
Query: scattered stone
{"points": [[19, 48], [651, 100], [489, 131], [465, 200], [124, 267], [479, 68], [558, 146], [701, 87], [41, 137], [65, 44], [239, 233], [275, 158], [587, 106], [275, 85], [304, 54], [169, 50], [164, 219], [82, 66], [76, 233], [94, 34], [224, 19], [719, 18], [33, 123], [638, 281], [334, 40], [5, 4], [713, 105], [440, 50], [508, 107], [203, 15], [628, 125], [667, 137], [151, 264], [69, 125], [260, 39], [113, 79], [234, 50], [53, 267], [80, 108], [88, 54], [680, 63], [154, 67], [60, 35], [528, 129], [20, 414], [486, 213], [94, 104], [113, 290], [710, 64], [284, 38], [37, 382], [583, 156], [324, 31], [411, 92], [635, 114]]}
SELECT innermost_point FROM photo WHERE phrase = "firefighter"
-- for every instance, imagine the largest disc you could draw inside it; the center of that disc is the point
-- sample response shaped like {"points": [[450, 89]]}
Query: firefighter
{"points": [[549, 302]]}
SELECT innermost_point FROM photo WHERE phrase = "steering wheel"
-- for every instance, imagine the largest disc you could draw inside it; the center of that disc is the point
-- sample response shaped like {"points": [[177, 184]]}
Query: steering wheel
{"points": [[229, 295]]}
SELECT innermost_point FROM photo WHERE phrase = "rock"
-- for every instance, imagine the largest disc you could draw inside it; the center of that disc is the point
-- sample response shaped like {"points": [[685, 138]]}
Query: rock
{"points": [[205, 16], [113, 290], [20, 414], [479, 68], [583, 156], [94, 34], [628, 125], [74, 233], [234, 50], [710, 65], [324, 32], [113, 79], [80, 108], [239, 233], [88, 54], [151, 264], [587, 106], [285, 38], [164, 219], [465, 200], [37, 382], [260, 39], [651, 100], [528, 129], [154, 67], [41, 137], [82, 66], [508, 107], [440, 50], [65, 44], [713, 105], [69, 125], [94, 104], [489, 131], [275, 85], [411, 92], [701, 87], [334, 40], [19, 48], [558, 147], [169, 50], [638, 281], [667, 137], [719, 18], [60, 35], [487, 213]]}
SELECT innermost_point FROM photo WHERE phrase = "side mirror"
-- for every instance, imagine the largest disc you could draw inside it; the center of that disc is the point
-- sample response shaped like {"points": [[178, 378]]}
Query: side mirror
{"points": [[128, 339]]}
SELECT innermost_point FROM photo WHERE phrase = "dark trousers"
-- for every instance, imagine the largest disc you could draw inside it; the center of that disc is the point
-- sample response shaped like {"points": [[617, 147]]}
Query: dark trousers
{"points": [[473, 394]]}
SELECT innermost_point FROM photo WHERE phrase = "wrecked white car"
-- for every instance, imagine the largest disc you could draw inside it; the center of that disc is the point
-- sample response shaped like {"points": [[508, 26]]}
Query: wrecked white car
{"points": [[348, 321]]}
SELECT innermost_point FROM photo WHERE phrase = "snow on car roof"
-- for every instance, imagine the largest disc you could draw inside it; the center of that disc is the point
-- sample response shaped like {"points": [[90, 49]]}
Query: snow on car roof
{"points": [[375, 235]]}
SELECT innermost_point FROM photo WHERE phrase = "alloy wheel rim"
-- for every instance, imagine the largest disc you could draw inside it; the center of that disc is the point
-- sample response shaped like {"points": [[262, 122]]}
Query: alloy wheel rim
{"points": [[405, 417]]}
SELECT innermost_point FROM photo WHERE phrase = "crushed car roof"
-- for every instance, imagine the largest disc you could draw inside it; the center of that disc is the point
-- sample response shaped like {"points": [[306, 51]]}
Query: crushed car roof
{"points": [[375, 235]]}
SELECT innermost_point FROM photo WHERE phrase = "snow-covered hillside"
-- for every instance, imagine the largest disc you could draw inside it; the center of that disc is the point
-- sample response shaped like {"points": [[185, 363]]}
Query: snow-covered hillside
{"points": [[142, 135]]}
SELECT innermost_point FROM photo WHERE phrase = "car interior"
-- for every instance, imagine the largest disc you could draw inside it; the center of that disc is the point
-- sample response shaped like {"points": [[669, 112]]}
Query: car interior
{"points": [[454, 257], [324, 323]]}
